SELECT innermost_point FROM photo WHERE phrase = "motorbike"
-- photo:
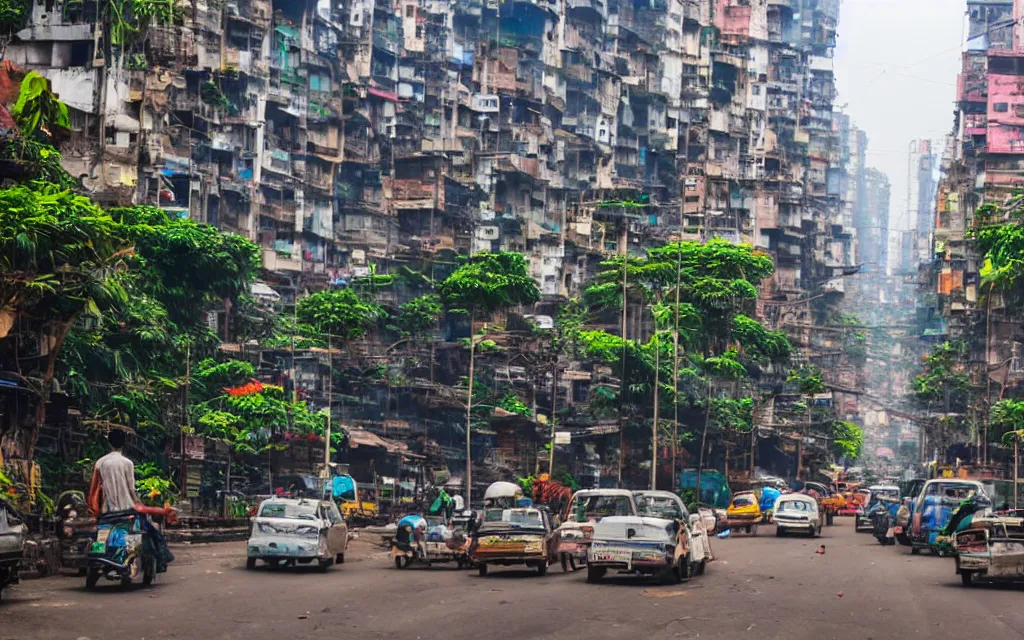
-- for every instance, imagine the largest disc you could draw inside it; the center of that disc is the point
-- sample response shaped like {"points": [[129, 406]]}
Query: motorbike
{"points": [[76, 531], [12, 543], [123, 551], [882, 514]]}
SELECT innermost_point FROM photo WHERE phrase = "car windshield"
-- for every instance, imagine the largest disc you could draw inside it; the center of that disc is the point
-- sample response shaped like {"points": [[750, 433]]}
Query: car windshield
{"points": [[289, 511], [743, 501], [517, 518], [658, 507], [590, 508], [794, 505]]}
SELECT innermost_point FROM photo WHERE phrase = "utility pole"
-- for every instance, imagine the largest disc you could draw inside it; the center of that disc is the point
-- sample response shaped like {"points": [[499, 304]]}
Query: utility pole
{"points": [[624, 252], [554, 400]]}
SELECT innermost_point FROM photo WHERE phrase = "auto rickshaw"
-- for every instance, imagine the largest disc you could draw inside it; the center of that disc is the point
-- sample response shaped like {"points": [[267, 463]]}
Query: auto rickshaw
{"points": [[744, 512]]}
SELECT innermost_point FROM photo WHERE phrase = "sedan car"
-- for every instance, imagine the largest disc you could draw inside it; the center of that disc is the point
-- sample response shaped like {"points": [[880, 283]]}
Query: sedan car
{"points": [[797, 512], [663, 539], [514, 536], [287, 531]]}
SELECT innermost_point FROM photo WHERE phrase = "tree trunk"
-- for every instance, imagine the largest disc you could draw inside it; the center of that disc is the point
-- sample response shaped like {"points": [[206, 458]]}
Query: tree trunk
{"points": [[703, 441], [554, 406], [654, 425], [469, 413]]}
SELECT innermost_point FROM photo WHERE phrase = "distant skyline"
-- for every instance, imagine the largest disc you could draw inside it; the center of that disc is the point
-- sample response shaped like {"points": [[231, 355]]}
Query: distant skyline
{"points": [[896, 66]]}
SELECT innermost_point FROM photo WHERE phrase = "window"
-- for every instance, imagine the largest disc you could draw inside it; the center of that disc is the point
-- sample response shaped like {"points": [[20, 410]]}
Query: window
{"points": [[419, 31], [1000, 107], [410, 11]]}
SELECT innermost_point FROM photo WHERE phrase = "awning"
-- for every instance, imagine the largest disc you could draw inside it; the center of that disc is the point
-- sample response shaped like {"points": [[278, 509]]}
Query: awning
{"points": [[387, 95], [261, 290], [360, 438]]}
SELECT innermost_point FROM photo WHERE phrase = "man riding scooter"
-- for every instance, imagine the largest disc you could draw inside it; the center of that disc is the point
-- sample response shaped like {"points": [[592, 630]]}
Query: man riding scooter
{"points": [[112, 490]]}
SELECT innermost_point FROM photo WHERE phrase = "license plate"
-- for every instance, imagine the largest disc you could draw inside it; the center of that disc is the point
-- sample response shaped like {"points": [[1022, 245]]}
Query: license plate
{"points": [[613, 556], [278, 549], [898, 530]]}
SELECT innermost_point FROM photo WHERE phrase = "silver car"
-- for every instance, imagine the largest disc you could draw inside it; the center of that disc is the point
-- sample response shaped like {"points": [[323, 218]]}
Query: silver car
{"points": [[287, 531]]}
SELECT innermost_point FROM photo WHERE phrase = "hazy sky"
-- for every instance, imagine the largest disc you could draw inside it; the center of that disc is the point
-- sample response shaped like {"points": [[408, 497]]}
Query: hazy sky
{"points": [[896, 66]]}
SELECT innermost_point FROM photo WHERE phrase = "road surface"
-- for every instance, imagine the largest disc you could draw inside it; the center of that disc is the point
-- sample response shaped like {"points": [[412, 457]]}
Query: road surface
{"points": [[759, 587]]}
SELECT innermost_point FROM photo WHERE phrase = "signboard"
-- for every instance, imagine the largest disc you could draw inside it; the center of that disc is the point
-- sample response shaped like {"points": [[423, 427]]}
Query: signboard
{"points": [[194, 479], [563, 437], [195, 448]]}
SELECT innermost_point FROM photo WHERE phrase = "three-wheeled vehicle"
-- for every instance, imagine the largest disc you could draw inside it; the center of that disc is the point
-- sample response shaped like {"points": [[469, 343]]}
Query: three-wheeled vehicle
{"points": [[588, 506], [663, 539], [991, 549], [744, 512], [831, 501], [505, 495], [933, 508], [124, 550], [433, 539], [511, 536], [12, 543]]}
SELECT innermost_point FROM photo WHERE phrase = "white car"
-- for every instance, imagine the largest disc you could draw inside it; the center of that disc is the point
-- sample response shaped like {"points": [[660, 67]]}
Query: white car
{"points": [[663, 540], [797, 512], [287, 531]]}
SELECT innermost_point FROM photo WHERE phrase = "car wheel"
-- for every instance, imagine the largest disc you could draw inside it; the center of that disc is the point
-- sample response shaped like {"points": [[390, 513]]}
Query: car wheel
{"points": [[323, 565], [686, 571], [482, 569], [594, 574], [339, 559], [701, 568], [92, 577], [400, 562], [250, 564], [915, 551], [779, 531], [542, 568], [967, 578]]}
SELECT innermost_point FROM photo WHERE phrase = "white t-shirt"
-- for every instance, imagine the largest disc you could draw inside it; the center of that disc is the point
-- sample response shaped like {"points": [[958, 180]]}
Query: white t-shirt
{"points": [[118, 476]]}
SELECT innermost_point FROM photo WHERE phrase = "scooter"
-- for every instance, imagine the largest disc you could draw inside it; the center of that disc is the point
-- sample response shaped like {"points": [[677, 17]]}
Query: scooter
{"points": [[123, 551], [12, 544]]}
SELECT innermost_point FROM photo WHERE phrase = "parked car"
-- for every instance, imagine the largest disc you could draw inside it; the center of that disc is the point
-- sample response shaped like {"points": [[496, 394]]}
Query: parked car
{"points": [[991, 549], [588, 506], [514, 536], [12, 543], [797, 512], [663, 539], [287, 531]]}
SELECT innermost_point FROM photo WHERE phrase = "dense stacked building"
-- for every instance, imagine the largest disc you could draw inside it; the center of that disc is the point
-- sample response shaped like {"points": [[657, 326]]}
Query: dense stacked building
{"points": [[981, 164], [345, 136]]}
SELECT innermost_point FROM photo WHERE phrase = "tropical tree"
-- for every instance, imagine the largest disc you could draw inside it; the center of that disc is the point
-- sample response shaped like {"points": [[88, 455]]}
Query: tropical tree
{"points": [[485, 283], [339, 313], [59, 255]]}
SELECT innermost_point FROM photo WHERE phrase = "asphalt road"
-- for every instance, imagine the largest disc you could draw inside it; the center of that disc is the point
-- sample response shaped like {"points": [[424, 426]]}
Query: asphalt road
{"points": [[759, 587]]}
